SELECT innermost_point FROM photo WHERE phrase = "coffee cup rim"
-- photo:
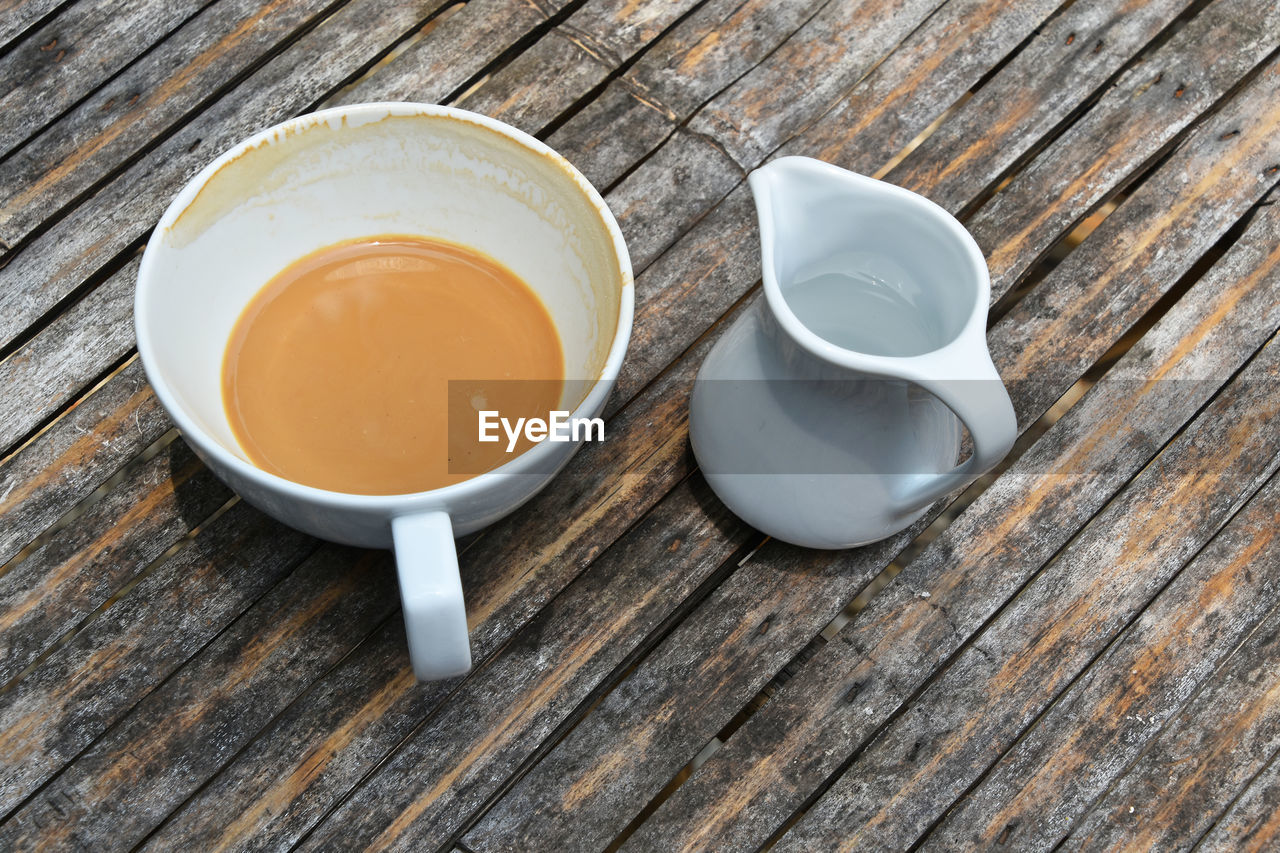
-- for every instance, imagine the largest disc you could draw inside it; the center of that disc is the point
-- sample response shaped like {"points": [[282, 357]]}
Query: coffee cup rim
{"points": [[526, 463]]}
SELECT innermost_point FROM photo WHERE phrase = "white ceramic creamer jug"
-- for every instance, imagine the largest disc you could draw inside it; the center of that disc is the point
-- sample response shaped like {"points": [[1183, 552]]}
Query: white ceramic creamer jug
{"points": [[829, 414]]}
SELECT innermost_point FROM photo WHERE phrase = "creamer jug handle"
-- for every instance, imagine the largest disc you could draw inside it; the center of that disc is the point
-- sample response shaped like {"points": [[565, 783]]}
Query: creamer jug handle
{"points": [[977, 396]]}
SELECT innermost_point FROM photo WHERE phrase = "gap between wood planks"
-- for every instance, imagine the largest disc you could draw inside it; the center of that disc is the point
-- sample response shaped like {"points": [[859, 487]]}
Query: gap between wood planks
{"points": [[9, 251], [1087, 668], [1153, 740], [37, 35], [16, 37], [1267, 767]]}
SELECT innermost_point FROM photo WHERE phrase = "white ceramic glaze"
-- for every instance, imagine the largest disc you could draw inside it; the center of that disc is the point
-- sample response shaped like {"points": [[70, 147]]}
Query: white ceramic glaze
{"points": [[832, 446], [363, 171]]}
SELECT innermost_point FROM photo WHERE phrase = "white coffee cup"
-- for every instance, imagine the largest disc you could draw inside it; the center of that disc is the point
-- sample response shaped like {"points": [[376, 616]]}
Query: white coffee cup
{"points": [[368, 170]]}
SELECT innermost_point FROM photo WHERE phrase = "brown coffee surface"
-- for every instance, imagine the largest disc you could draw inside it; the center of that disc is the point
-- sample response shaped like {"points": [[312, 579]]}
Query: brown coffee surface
{"points": [[338, 373]]}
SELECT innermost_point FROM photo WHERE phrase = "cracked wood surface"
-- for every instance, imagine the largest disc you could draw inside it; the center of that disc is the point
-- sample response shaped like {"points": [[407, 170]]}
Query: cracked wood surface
{"points": [[176, 670]]}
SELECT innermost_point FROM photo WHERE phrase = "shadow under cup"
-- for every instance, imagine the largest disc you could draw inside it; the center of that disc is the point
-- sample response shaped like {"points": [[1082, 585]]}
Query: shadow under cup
{"points": [[366, 171]]}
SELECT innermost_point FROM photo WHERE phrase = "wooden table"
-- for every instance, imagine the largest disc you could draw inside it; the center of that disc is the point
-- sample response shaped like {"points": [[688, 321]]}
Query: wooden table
{"points": [[1083, 651]]}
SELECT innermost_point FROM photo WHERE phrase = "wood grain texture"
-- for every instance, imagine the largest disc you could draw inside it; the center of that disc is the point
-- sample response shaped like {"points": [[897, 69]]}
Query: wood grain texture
{"points": [[701, 57], [932, 70], [461, 756], [1148, 107], [69, 56], [603, 805], [572, 59], [61, 466], [1117, 708], [1252, 823], [433, 67], [801, 79], [1070, 58], [93, 680], [1206, 754], [142, 104], [121, 213], [18, 16], [152, 759], [694, 168], [52, 368], [1038, 643], [72, 574], [794, 743], [1219, 170]]}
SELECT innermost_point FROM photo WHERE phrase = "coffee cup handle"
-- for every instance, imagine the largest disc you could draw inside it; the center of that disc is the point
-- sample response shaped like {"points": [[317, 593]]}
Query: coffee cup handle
{"points": [[435, 617], [976, 396]]}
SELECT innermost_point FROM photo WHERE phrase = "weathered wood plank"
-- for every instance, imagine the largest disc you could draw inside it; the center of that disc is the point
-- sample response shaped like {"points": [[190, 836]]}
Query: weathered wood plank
{"points": [[67, 578], [297, 770], [1149, 106], [1104, 721], [1071, 57], [69, 56], [1222, 167], [142, 104], [129, 779], [894, 790], [572, 59], [817, 588], [694, 168], [1206, 754], [479, 736], [277, 786], [89, 683], [52, 368], [432, 68], [47, 477], [697, 60], [812, 69], [118, 215], [948, 56], [1252, 824], [17, 16]]}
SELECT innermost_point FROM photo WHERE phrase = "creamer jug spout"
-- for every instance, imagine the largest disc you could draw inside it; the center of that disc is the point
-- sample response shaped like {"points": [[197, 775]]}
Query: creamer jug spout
{"points": [[793, 196]]}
